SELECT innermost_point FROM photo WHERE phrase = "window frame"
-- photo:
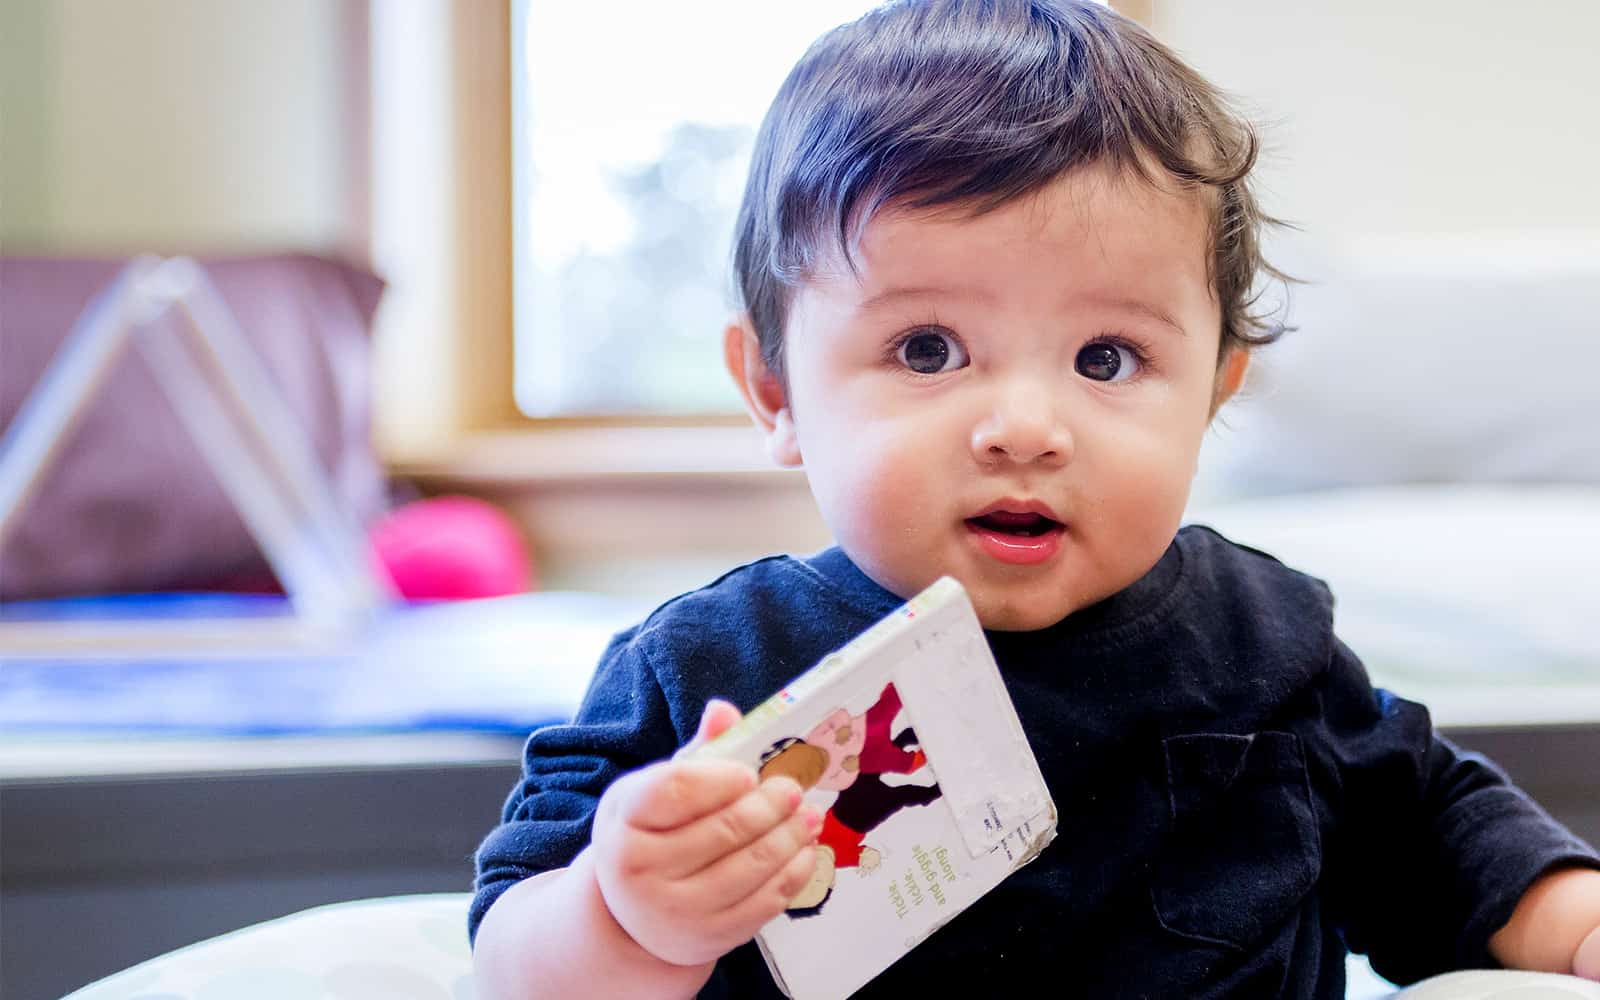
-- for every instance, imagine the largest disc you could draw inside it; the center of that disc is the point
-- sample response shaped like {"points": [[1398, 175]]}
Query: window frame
{"points": [[462, 336]]}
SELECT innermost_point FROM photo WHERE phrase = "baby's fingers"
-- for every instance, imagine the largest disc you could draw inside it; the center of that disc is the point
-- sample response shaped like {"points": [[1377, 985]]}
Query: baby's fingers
{"points": [[746, 871], [744, 822], [672, 794], [749, 914]]}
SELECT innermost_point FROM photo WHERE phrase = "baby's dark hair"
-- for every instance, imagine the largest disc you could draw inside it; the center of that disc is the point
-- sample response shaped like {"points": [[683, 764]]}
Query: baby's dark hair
{"points": [[932, 103]]}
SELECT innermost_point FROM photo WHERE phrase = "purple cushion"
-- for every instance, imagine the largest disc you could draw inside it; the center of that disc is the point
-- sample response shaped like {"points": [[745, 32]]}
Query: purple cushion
{"points": [[128, 502]]}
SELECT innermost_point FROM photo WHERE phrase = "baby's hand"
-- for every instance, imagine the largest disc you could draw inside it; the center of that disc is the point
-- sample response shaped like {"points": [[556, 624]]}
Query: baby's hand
{"points": [[1587, 962], [693, 857]]}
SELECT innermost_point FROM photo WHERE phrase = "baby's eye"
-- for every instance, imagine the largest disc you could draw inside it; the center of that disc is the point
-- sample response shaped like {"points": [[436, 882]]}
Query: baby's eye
{"points": [[1106, 361], [929, 352]]}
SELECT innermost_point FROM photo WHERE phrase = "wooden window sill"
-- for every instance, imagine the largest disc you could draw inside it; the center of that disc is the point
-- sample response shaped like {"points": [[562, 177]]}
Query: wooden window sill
{"points": [[645, 511], [596, 453]]}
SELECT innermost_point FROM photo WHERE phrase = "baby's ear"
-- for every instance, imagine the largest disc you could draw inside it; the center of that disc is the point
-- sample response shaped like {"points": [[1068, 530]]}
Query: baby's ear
{"points": [[764, 396], [1230, 376]]}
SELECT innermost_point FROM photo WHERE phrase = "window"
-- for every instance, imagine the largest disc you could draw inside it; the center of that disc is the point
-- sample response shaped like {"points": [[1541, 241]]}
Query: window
{"points": [[633, 123]]}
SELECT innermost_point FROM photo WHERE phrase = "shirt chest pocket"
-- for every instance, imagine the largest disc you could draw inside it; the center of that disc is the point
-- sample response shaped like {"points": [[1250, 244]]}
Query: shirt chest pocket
{"points": [[1243, 848]]}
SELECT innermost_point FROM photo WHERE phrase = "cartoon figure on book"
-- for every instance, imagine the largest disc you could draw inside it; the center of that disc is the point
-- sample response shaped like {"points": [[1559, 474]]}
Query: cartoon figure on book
{"points": [[850, 754], [996, 261]]}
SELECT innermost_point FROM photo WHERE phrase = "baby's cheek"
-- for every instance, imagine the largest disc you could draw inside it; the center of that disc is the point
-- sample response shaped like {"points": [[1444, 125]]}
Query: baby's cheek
{"points": [[1155, 520], [1153, 468], [887, 516], [1162, 491], [1138, 501], [885, 485]]}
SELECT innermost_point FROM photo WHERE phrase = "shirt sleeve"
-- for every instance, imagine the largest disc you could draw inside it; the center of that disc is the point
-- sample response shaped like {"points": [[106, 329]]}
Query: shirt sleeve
{"points": [[1434, 846], [623, 723]]}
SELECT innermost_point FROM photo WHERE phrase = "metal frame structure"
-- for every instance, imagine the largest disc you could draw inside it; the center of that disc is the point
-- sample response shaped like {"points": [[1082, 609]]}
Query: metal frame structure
{"points": [[248, 435]]}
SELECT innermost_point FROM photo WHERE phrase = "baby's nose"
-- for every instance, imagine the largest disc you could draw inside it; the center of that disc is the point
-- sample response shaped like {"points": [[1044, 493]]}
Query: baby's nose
{"points": [[1024, 429]]}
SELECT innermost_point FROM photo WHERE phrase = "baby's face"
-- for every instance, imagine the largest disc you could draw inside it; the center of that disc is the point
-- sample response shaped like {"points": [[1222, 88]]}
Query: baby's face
{"points": [[1016, 399]]}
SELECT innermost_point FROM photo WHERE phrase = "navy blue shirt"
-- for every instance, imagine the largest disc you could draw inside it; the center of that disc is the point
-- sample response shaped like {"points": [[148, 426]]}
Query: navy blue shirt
{"points": [[1238, 805]]}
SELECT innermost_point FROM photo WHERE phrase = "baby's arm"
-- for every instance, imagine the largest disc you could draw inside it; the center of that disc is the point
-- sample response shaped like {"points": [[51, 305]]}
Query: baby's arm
{"points": [[1555, 927], [687, 861]]}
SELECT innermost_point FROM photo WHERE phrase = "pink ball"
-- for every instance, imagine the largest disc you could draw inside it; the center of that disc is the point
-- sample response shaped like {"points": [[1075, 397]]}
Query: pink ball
{"points": [[452, 548]]}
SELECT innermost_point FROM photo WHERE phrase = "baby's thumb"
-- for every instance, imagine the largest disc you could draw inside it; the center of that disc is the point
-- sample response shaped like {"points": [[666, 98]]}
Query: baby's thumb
{"points": [[719, 717]]}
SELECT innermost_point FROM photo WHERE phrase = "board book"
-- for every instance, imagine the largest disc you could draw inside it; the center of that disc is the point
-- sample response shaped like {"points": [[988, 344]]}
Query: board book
{"points": [[907, 742]]}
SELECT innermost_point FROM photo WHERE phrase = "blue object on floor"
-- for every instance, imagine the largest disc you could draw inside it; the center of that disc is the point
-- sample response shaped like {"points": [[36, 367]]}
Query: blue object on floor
{"points": [[500, 665]]}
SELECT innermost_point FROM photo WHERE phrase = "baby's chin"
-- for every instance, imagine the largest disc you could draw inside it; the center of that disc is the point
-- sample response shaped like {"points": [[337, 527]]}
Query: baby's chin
{"points": [[1038, 606], [1011, 618], [997, 612]]}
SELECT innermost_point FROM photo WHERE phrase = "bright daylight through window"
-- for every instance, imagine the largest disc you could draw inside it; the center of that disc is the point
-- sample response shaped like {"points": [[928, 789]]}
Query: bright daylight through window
{"points": [[633, 126]]}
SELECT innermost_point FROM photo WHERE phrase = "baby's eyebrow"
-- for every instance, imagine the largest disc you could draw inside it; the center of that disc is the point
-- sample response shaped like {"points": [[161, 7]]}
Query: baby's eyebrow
{"points": [[1142, 308], [1139, 307], [891, 294]]}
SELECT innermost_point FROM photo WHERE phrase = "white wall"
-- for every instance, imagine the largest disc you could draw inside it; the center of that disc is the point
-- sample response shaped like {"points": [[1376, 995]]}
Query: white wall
{"points": [[167, 124], [1412, 116], [1419, 143], [414, 180]]}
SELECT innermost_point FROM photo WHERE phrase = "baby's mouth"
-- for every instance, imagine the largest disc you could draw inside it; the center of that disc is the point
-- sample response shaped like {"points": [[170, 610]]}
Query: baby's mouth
{"points": [[1008, 523], [1019, 532]]}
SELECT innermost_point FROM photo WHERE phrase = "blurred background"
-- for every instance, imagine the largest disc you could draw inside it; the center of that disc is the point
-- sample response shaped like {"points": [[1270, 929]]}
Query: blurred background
{"points": [[551, 219], [481, 247]]}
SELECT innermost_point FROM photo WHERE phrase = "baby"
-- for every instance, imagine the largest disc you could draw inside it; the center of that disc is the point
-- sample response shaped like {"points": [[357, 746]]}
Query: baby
{"points": [[996, 259]]}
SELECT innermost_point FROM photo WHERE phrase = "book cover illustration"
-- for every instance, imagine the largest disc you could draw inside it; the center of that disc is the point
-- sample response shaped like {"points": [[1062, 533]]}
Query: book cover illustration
{"points": [[907, 742]]}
